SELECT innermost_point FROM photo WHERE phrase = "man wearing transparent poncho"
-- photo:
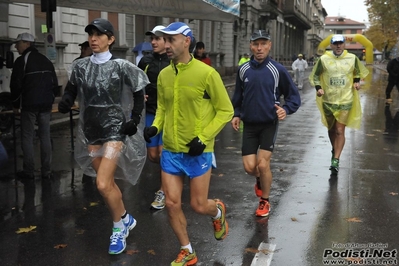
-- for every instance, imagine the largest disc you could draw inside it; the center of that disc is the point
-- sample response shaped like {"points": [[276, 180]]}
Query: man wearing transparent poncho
{"points": [[111, 100], [336, 77]]}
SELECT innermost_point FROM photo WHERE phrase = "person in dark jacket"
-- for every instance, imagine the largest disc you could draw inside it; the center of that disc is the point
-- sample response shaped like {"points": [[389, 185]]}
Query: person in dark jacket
{"points": [[33, 83], [259, 85], [152, 64], [393, 78], [199, 53], [85, 50]]}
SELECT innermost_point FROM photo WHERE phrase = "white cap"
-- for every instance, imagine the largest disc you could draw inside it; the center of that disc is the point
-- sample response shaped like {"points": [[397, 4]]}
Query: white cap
{"points": [[156, 28], [27, 37], [175, 28], [337, 38]]}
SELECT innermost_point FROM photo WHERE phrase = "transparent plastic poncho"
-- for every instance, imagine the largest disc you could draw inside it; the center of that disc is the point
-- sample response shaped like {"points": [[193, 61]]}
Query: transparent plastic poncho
{"points": [[105, 98], [340, 98]]}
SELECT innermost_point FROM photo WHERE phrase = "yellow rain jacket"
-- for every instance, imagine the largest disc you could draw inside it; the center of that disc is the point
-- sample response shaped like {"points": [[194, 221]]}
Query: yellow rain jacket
{"points": [[192, 101], [335, 76]]}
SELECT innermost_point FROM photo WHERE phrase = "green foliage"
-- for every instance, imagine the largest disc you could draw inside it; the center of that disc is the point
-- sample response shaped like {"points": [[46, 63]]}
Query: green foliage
{"points": [[384, 23]]}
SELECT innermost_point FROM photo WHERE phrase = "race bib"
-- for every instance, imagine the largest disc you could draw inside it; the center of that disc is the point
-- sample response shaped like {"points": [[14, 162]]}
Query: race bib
{"points": [[337, 82]]}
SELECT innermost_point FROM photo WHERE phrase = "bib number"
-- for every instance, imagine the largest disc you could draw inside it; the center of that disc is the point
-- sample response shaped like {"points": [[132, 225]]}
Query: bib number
{"points": [[337, 82]]}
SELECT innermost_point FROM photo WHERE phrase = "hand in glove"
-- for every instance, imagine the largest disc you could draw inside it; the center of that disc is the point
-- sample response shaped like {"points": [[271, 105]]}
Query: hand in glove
{"points": [[149, 132], [64, 106], [130, 128], [197, 147]]}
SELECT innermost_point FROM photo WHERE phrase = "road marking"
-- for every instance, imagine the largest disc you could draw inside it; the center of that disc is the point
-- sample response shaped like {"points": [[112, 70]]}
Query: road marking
{"points": [[265, 254]]}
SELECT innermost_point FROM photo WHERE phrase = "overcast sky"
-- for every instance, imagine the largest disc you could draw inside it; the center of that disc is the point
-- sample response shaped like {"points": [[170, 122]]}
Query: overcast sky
{"points": [[352, 9]]}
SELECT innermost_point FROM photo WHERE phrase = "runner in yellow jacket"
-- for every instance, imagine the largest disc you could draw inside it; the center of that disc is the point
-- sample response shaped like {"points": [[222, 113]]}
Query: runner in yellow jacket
{"points": [[193, 107], [336, 77]]}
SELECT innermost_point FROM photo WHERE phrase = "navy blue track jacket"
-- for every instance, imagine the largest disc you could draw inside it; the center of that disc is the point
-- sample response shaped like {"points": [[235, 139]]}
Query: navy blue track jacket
{"points": [[259, 87]]}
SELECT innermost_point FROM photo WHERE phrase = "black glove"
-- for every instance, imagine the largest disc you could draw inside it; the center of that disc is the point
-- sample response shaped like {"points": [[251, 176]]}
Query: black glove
{"points": [[64, 106], [149, 132], [197, 147], [130, 128], [135, 117]]}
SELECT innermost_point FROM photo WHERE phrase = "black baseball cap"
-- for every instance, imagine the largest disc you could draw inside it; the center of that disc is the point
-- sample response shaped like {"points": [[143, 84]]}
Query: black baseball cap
{"points": [[100, 24], [260, 34], [84, 44]]}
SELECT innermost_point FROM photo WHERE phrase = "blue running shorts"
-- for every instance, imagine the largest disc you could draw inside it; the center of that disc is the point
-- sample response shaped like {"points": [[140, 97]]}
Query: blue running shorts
{"points": [[179, 163]]}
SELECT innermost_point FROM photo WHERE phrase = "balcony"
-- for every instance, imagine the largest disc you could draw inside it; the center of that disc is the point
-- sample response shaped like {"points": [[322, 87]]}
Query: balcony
{"points": [[293, 15], [317, 22], [269, 9], [314, 38]]}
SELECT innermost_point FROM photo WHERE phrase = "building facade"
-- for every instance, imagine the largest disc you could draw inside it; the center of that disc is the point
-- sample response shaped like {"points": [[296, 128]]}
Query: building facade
{"points": [[296, 26], [346, 26]]}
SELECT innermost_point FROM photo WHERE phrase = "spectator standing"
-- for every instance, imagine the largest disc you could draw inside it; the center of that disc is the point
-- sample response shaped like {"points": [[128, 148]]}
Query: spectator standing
{"points": [[85, 50], [200, 54], [106, 88], [152, 64], [33, 83], [245, 58], [336, 77], [391, 122], [193, 107], [299, 66], [256, 101], [393, 78]]}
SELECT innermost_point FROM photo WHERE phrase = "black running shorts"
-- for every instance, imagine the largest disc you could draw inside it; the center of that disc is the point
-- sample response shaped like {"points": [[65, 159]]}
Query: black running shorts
{"points": [[258, 136]]}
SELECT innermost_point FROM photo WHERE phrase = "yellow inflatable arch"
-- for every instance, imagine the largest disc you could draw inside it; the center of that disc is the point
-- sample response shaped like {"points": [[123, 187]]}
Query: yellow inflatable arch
{"points": [[350, 38]]}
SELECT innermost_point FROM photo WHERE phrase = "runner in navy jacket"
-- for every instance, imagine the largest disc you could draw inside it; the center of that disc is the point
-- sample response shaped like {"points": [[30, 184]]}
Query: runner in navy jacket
{"points": [[259, 86]]}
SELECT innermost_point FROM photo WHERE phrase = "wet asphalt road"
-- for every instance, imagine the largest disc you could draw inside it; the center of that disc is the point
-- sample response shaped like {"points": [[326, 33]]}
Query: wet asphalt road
{"points": [[312, 213]]}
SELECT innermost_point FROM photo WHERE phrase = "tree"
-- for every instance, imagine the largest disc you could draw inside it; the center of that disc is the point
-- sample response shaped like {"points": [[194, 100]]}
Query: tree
{"points": [[384, 23]]}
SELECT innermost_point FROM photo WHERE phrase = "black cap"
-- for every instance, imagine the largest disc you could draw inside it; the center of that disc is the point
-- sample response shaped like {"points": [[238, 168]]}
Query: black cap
{"points": [[260, 34], [100, 24], [84, 44]]}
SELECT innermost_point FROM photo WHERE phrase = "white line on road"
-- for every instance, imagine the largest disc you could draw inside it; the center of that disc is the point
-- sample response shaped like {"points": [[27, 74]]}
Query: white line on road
{"points": [[265, 254]]}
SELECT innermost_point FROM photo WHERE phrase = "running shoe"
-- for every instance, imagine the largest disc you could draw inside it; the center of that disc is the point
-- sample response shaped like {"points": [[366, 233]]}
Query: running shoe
{"points": [[334, 165], [129, 225], [220, 225], [263, 208], [118, 241], [258, 189], [185, 258], [159, 200]]}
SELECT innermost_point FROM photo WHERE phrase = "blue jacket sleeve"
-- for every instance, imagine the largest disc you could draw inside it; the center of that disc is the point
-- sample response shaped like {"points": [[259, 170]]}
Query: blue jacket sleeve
{"points": [[238, 96]]}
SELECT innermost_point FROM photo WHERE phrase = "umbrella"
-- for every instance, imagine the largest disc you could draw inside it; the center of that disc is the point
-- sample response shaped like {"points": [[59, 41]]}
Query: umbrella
{"points": [[143, 46]]}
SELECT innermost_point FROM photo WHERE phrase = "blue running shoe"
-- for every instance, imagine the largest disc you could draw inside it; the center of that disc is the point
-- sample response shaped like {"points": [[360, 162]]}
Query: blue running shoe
{"points": [[118, 241], [129, 225]]}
